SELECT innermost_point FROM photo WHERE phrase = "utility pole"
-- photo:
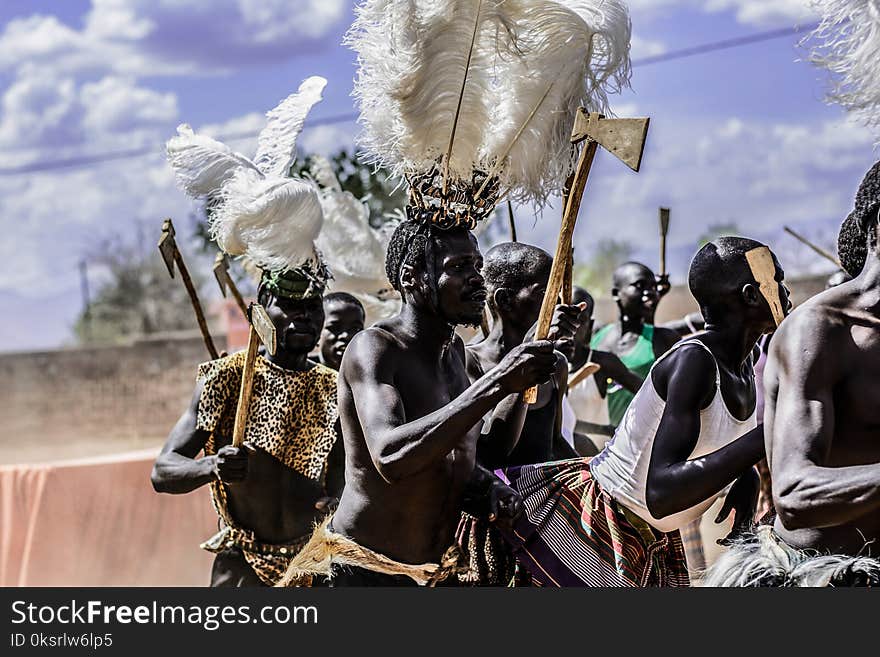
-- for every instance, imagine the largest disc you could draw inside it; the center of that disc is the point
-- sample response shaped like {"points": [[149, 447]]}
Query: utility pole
{"points": [[87, 304]]}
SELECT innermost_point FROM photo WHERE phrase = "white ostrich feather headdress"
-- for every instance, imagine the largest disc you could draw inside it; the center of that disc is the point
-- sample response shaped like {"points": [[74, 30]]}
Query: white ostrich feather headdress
{"points": [[256, 209], [847, 44], [353, 250], [473, 99]]}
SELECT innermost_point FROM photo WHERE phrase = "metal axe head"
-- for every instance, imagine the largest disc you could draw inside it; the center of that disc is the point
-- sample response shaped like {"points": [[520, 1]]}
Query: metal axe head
{"points": [[624, 138], [221, 273], [168, 246], [263, 326], [664, 221]]}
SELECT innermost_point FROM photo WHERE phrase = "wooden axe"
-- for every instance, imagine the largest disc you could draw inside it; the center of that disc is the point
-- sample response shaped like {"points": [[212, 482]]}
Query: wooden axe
{"points": [[172, 256], [224, 280], [818, 249], [262, 330], [664, 229], [625, 138]]}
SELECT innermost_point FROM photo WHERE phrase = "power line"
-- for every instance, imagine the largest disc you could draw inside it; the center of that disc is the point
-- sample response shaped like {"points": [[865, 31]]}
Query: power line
{"points": [[683, 53]]}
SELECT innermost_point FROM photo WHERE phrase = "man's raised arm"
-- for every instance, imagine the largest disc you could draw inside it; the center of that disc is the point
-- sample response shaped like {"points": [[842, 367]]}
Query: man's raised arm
{"points": [[806, 492], [400, 448]]}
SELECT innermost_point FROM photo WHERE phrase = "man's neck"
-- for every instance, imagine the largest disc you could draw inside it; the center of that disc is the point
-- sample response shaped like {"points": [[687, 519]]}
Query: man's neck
{"points": [[630, 324], [734, 341], [503, 337], [289, 360], [869, 283], [429, 330]]}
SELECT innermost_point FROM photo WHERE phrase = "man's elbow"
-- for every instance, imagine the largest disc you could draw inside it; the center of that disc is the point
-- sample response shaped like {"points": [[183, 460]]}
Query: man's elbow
{"points": [[159, 480], [659, 503], [792, 509], [389, 468]]}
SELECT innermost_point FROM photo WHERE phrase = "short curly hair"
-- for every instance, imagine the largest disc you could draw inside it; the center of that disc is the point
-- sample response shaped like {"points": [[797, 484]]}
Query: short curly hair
{"points": [[852, 246]]}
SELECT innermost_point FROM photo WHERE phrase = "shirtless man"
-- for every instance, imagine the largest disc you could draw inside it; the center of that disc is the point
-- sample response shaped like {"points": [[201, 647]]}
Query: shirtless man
{"points": [[270, 493], [343, 319], [690, 432], [633, 338], [823, 381], [516, 277], [411, 420]]}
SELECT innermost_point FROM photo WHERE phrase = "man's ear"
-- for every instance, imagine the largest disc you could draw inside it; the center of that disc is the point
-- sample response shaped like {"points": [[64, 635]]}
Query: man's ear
{"points": [[751, 294], [408, 278], [501, 298], [615, 293]]}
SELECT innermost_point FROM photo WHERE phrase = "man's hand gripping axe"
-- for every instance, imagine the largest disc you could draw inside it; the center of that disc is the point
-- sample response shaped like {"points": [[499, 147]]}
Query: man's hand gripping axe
{"points": [[624, 138], [262, 330], [172, 256]]}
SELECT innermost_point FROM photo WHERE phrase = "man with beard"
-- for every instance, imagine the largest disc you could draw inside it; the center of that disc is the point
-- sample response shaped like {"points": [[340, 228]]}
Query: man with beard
{"points": [[343, 319], [271, 492], [633, 338], [822, 381], [690, 431], [411, 421]]}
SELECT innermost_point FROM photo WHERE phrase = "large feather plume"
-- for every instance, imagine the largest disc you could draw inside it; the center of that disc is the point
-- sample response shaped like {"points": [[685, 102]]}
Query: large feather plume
{"points": [[353, 250], [532, 63], [572, 53], [257, 211], [276, 146], [847, 43]]}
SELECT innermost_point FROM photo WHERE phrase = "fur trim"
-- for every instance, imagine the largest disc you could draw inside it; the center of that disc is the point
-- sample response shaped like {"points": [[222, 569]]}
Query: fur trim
{"points": [[326, 548], [763, 559]]}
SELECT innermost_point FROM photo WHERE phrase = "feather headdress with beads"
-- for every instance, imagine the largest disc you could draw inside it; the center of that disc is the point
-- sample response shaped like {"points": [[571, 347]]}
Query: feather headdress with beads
{"points": [[473, 99], [255, 208]]}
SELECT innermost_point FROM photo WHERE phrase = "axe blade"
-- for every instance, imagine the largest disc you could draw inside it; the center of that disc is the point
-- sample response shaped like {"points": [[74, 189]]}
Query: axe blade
{"points": [[168, 246], [623, 138], [221, 273], [263, 326], [664, 221]]}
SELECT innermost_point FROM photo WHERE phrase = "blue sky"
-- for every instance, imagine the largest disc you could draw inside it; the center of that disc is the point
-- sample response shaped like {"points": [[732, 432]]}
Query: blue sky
{"points": [[740, 135]]}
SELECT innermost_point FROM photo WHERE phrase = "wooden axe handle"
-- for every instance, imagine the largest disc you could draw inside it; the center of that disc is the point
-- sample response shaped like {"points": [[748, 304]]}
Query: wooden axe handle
{"points": [[197, 307], [239, 300], [247, 388], [563, 249], [587, 370], [664, 229]]}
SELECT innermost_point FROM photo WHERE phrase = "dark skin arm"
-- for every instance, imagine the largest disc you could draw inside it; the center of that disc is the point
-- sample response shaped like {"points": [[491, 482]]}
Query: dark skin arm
{"points": [[488, 497], [177, 470], [613, 368], [401, 448], [334, 479], [687, 380], [806, 491]]}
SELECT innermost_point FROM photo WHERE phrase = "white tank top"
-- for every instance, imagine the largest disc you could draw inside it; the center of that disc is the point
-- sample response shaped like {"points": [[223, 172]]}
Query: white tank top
{"points": [[622, 467]]}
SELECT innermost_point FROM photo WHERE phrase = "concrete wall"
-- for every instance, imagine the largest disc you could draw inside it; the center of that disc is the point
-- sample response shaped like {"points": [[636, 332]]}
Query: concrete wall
{"points": [[79, 402]]}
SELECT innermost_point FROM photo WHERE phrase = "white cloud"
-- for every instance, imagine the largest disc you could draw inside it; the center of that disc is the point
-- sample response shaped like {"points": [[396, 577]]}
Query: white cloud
{"points": [[757, 175], [149, 37], [327, 139], [761, 13], [642, 47]]}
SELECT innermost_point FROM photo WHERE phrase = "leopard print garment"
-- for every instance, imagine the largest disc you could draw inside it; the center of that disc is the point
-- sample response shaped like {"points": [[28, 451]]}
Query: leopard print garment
{"points": [[292, 417]]}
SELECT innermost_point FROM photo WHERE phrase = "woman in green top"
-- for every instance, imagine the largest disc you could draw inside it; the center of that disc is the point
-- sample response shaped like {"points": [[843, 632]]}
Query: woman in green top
{"points": [[633, 338]]}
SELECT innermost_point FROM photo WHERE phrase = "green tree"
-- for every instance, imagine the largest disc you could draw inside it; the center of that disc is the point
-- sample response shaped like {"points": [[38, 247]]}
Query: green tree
{"points": [[136, 296], [715, 230], [594, 273]]}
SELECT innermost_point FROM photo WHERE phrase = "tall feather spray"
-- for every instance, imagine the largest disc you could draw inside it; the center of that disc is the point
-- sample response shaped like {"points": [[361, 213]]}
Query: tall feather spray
{"points": [[496, 59], [257, 210], [847, 44]]}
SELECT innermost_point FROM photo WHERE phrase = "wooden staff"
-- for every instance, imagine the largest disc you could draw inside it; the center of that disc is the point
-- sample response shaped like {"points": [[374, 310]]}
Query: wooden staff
{"points": [[172, 256], [263, 330], [224, 280], [625, 138], [818, 249]]}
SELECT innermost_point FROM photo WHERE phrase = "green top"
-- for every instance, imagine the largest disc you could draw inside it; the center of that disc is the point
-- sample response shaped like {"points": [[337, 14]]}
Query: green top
{"points": [[639, 359]]}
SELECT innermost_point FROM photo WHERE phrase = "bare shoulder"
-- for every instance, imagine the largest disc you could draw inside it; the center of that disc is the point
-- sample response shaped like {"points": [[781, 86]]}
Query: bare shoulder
{"points": [[369, 349], [693, 369], [814, 325]]}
